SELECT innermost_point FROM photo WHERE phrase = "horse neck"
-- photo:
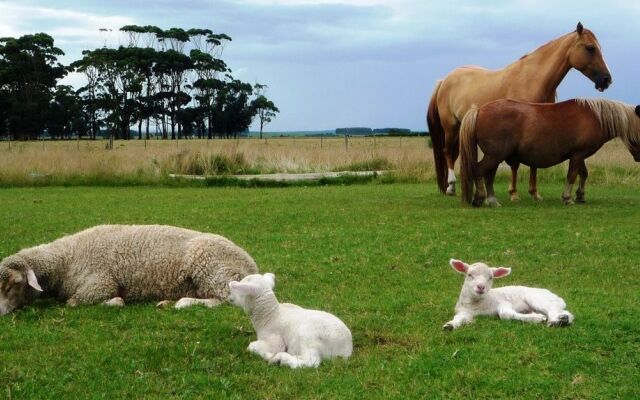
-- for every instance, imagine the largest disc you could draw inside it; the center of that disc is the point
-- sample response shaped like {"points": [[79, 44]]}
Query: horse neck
{"points": [[545, 68]]}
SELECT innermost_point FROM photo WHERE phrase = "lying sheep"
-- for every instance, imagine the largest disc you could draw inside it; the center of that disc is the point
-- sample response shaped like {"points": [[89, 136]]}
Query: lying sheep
{"points": [[288, 334], [509, 302], [114, 263]]}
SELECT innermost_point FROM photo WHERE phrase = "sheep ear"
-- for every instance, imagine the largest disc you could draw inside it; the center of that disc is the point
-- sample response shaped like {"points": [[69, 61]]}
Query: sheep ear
{"points": [[638, 111], [271, 278], [32, 280], [459, 266], [500, 272], [579, 28], [245, 288]]}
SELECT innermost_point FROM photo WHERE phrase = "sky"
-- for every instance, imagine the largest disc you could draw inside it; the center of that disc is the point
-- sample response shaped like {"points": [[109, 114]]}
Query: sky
{"points": [[344, 63]]}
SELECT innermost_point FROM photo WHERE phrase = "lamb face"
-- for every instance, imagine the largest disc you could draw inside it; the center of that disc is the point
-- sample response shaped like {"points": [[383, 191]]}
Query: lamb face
{"points": [[243, 292], [478, 277], [16, 288]]}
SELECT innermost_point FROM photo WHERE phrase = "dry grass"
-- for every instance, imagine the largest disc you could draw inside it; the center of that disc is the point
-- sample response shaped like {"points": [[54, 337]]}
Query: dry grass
{"points": [[63, 162]]}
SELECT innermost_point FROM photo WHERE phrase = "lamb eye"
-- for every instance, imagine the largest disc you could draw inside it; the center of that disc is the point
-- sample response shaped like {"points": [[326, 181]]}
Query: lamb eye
{"points": [[469, 275]]}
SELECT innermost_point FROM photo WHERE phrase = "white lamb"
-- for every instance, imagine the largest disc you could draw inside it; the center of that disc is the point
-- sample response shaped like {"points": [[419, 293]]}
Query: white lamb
{"points": [[288, 334], [509, 302]]}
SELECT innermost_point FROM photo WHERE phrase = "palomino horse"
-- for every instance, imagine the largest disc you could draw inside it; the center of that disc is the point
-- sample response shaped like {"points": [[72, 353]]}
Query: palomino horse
{"points": [[541, 135], [533, 78]]}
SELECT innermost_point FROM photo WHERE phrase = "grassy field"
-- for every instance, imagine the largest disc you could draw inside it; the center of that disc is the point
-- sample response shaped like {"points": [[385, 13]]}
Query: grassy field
{"points": [[376, 256], [73, 163]]}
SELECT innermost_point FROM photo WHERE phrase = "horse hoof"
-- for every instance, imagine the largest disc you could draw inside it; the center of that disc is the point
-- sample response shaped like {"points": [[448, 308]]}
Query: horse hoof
{"points": [[568, 202], [536, 197], [494, 203], [515, 197], [581, 201], [451, 192], [477, 202]]}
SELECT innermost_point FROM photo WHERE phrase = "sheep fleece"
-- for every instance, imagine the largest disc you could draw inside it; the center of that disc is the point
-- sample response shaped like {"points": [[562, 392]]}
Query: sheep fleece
{"points": [[136, 262]]}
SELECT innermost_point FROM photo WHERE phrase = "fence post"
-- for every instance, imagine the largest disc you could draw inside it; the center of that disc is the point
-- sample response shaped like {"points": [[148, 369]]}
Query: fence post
{"points": [[346, 142], [321, 136]]}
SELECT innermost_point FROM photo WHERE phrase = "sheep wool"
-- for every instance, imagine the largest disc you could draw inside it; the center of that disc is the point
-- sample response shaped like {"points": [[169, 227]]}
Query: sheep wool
{"points": [[117, 263]]}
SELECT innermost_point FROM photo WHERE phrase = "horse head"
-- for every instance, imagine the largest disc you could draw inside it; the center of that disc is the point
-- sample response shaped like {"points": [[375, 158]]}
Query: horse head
{"points": [[585, 55]]}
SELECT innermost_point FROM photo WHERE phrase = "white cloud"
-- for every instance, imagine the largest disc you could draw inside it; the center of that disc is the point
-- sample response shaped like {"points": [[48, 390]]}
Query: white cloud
{"points": [[67, 27]]}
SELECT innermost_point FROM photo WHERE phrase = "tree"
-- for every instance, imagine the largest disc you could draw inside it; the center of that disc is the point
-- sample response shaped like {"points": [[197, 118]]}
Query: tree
{"points": [[29, 71], [264, 108]]}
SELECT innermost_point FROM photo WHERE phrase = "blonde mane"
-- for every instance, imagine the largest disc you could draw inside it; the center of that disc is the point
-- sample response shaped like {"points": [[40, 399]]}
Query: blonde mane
{"points": [[616, 118]]}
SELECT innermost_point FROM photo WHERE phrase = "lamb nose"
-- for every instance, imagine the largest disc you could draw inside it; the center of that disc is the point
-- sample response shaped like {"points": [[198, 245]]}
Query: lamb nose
{"points": [[480, 287]]}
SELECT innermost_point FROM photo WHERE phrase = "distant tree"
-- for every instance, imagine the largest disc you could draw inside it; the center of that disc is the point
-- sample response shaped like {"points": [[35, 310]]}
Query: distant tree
{"points": [[66, 115], [264, 108], [29, 71]]}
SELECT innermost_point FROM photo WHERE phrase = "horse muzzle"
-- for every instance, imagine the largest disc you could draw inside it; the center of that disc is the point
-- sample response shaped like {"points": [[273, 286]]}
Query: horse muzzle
{"points": [[603, 81]]}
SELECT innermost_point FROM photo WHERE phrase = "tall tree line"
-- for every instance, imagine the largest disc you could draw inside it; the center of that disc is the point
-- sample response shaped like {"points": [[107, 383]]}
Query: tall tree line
{"points": [[172, 83]]}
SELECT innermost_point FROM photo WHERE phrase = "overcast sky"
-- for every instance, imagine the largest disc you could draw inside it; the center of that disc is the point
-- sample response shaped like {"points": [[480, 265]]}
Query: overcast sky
{"points": [[340, 63]]}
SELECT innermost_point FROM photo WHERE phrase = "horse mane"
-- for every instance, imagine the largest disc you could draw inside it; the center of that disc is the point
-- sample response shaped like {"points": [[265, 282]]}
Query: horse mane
{"points": [[616, 118]]}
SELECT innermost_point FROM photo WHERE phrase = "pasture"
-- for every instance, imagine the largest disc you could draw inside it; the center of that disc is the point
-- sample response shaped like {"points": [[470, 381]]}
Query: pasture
{"points": [[376, 256], [73, 163]]}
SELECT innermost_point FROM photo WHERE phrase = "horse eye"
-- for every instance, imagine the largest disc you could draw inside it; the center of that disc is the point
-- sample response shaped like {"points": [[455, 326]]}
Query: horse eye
{"points": [[591, 49]]}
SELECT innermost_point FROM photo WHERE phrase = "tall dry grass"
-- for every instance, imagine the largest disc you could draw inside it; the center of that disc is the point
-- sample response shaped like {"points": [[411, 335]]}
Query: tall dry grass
{"points": [[137, 162]]}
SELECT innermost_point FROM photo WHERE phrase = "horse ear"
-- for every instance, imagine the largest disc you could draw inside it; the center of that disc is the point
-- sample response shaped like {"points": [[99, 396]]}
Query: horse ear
{"points": [[638, 111], [579, 28]]}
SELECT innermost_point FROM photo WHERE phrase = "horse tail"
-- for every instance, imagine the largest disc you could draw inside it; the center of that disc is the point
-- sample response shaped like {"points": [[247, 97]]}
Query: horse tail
{"points": [[436, 132], [468, 154]]}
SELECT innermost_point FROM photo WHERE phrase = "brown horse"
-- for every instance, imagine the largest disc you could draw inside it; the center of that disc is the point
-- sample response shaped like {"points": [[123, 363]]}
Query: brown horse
{"points": [[541, 135], [533, 78]]}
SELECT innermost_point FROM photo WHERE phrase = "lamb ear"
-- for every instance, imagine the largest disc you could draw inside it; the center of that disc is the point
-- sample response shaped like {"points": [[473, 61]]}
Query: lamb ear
{"points": [[500, 272], [32, 280], [246, 288], [579, 28], [271, 278], [459, 266], [638, 111]]}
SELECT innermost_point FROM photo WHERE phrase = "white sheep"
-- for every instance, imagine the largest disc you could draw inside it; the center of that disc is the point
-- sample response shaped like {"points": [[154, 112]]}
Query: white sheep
{"points": [[510, 302], [114, 263], [288, 334]]}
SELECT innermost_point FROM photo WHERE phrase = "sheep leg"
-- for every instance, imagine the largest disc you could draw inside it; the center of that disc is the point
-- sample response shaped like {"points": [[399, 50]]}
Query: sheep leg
{"points": [[190, 301], [95, 289], [507, 312], [266, 348], [115, 302], [308, 358], [560, 317], [457, 321]]}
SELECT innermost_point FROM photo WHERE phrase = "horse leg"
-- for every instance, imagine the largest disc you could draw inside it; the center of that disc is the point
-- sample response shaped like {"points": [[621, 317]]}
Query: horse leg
{"points": [[513, 190], [481, 191], [572, 174], [533, 181], [451, 150], [491, 195], [583, 179]]}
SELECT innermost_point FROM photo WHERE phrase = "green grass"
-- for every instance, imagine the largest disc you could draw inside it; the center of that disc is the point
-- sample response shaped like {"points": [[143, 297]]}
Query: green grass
{"points": [[374, 255]]}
